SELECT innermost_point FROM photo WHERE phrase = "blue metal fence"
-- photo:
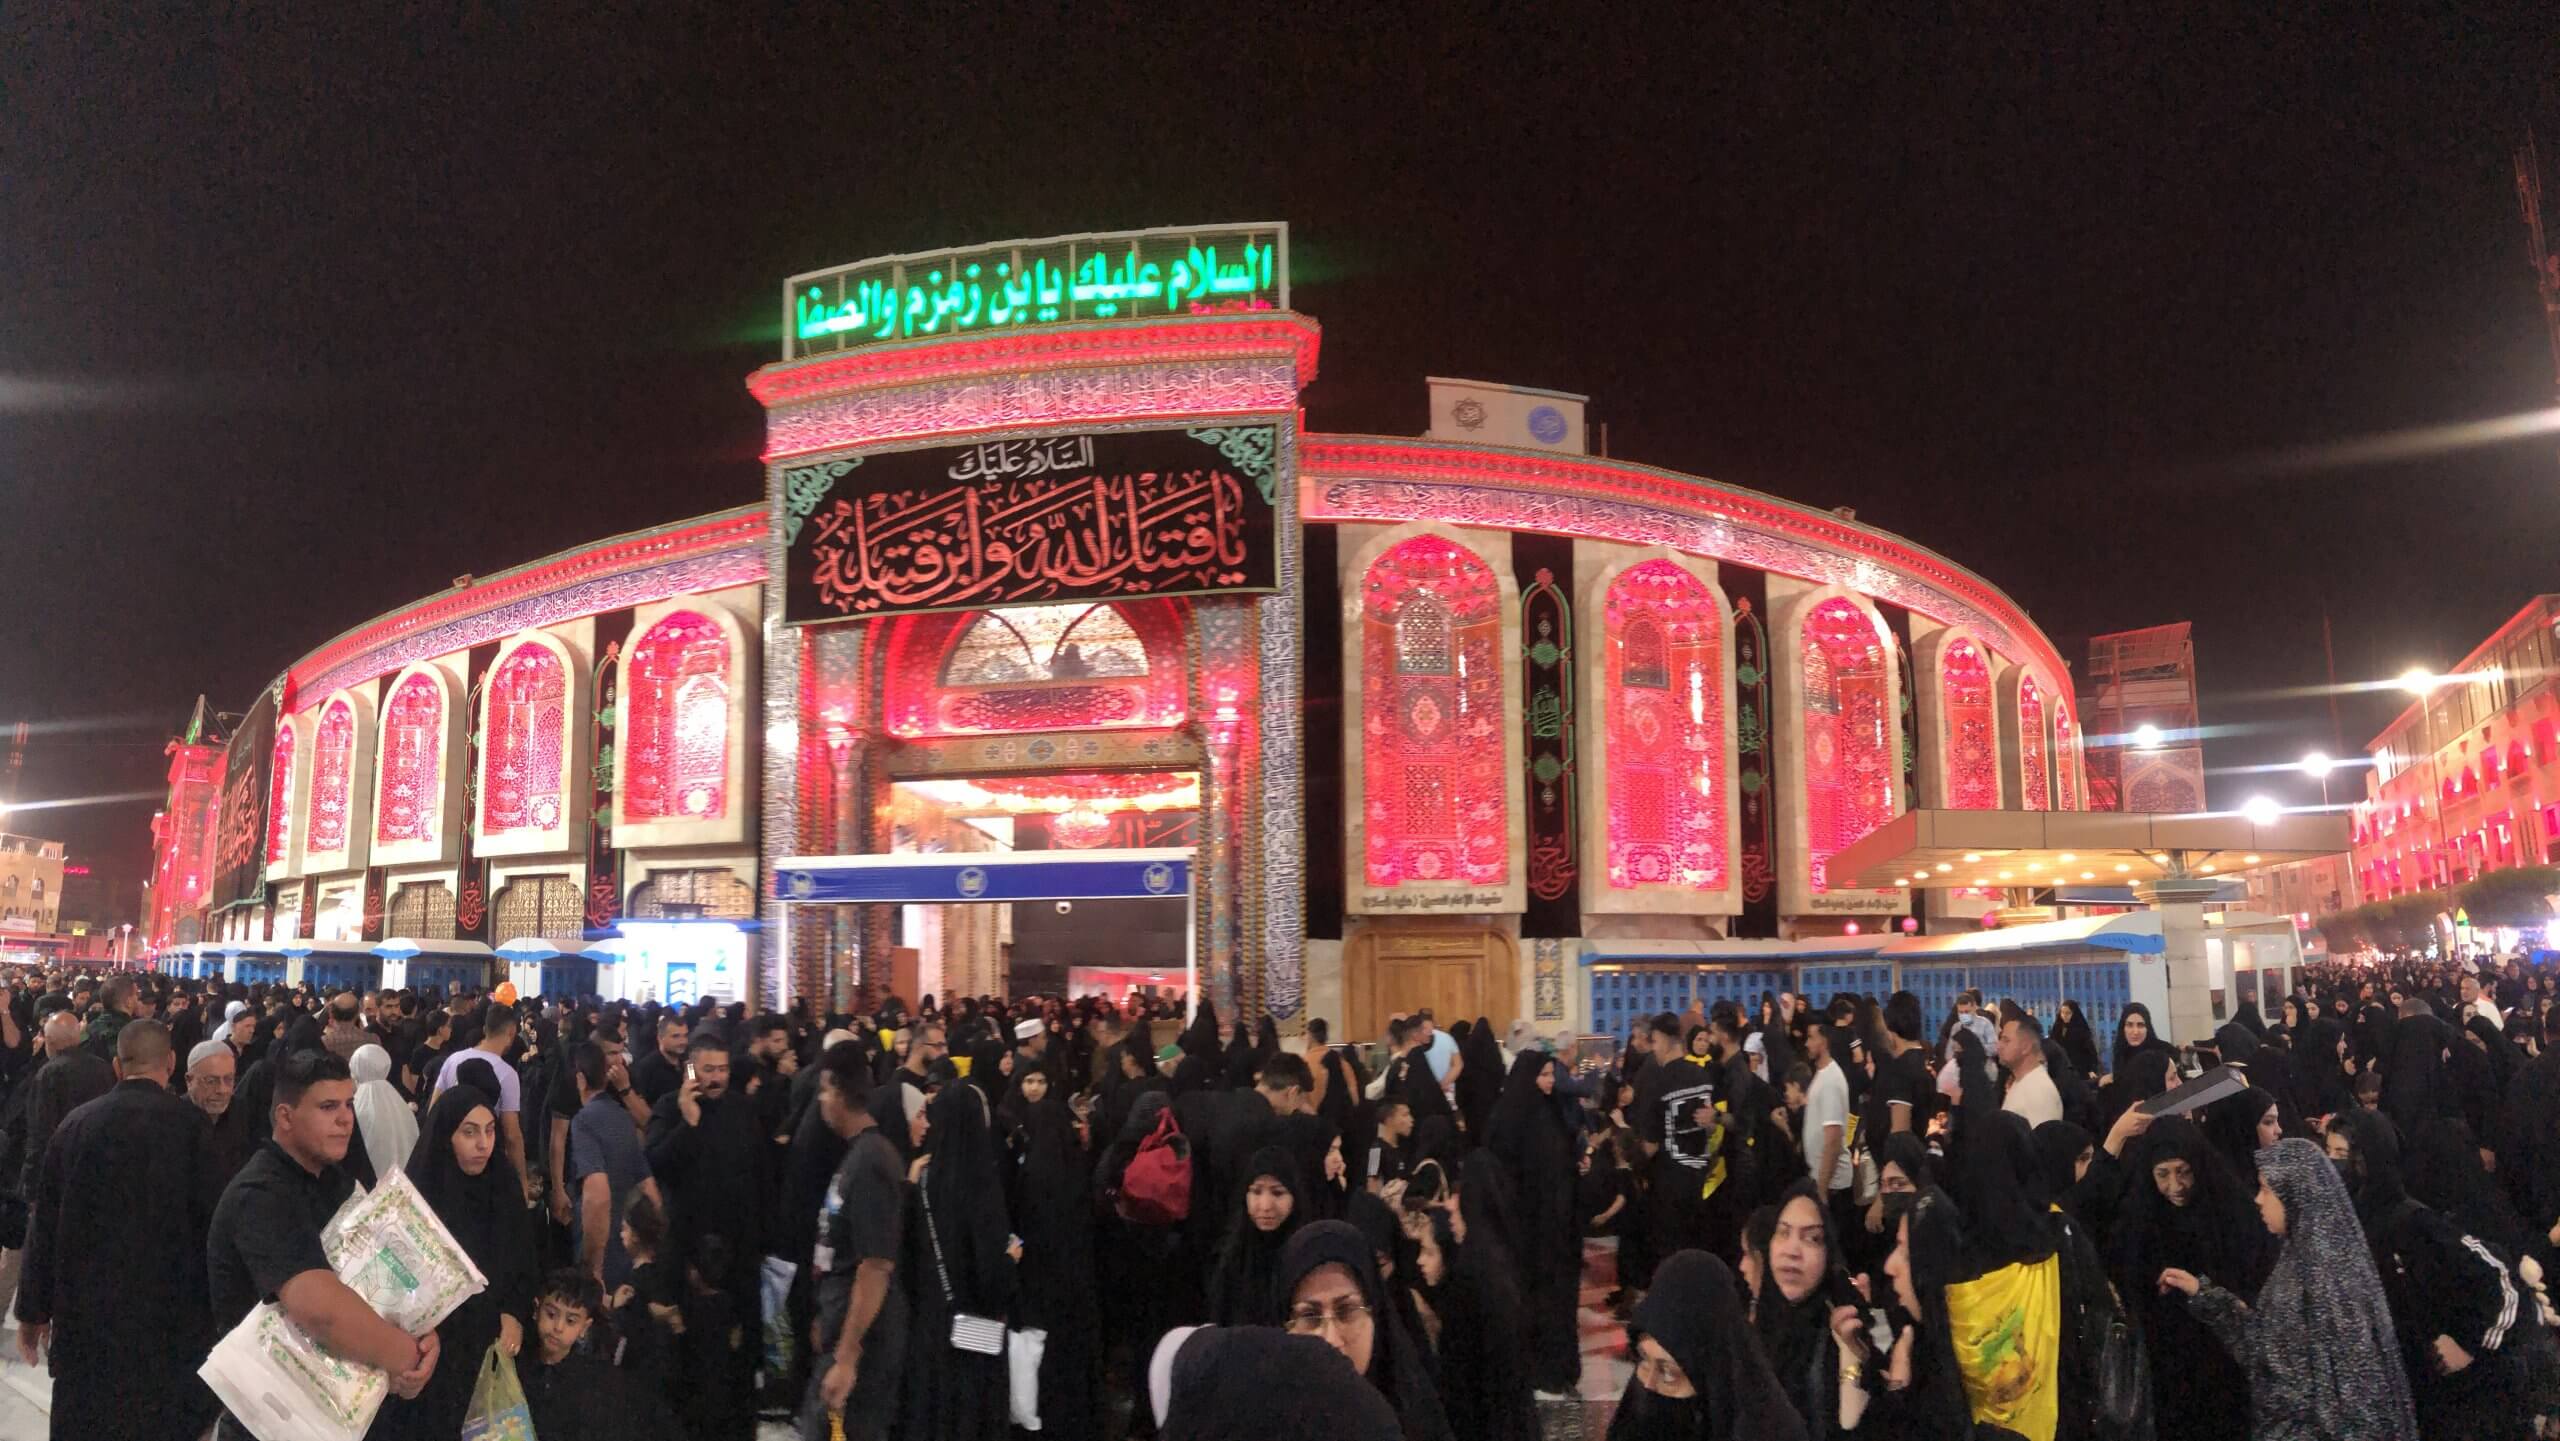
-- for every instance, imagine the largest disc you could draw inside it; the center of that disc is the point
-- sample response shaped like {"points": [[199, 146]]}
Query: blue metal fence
{"points": [[1626, 989]]}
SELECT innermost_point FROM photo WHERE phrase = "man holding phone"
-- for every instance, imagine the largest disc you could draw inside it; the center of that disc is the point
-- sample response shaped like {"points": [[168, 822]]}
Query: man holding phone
{"points": [[706, 1147]]}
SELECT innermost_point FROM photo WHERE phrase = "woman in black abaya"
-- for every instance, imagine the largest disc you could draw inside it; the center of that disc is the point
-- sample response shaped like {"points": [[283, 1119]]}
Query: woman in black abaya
{"points": [[957, 1256], [1328, 1287], [2135, 1034], [1242, 1286], [2185, 1209], [1484, 1340], [2071, 1032], [1053, 1213], [1530, 1136], [1479, 1080], [1698, 1376], [463, 1172]]}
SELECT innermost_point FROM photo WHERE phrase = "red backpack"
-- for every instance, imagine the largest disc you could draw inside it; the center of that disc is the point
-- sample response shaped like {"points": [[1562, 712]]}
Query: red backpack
{"points": [[1156, 1189]]}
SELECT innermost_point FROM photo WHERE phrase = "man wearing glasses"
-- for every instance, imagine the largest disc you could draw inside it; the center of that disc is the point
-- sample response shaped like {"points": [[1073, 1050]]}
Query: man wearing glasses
{"points": [[213, 1076]]}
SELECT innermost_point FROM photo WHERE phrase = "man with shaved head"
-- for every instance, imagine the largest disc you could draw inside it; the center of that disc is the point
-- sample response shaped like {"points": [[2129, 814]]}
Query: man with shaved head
{"points": [[115, 1267], [72, 1078]]}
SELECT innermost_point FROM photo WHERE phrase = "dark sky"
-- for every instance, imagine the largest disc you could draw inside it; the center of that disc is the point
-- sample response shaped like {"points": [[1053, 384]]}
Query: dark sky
{"points": [[299, 320]]}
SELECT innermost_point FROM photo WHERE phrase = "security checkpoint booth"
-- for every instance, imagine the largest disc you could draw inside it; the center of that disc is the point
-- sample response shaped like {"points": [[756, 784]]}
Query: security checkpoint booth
{"points": [[2191, 967], [992, 878]]}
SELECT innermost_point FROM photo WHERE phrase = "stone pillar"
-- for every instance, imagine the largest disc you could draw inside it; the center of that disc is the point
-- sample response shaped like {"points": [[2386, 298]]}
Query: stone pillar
{"points": [[2190, 1012]]}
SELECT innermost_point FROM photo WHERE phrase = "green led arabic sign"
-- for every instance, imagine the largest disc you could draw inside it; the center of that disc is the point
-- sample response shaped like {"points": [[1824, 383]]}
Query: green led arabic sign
{"points": [[1122, 275]]}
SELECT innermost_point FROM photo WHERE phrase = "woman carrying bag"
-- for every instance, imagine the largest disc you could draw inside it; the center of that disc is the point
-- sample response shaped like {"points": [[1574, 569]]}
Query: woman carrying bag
{"points": [[961, 1252], [464, 1174]]}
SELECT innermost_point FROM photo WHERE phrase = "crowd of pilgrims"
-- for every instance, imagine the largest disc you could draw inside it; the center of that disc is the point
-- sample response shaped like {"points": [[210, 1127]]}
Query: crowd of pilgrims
{"points": [[945, 1223]]}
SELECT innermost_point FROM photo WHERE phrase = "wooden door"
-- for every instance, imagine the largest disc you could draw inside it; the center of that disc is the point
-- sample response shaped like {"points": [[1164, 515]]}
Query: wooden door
{"points": [[1459, 971]]}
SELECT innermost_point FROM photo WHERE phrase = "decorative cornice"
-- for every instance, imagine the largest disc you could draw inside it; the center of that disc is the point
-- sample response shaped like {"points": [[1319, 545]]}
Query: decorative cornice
{"points": [[1370, 478], [1104, 343], [725, 548]]}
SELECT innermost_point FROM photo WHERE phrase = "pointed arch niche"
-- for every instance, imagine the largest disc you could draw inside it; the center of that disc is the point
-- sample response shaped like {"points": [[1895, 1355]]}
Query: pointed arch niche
{"points": [[1659, 830], [533, 780], [1023, 669], [337, 816], [682, 738], [1431, 711], [417, 783], [1839, 743], [2026, 737], [1959, 720]]}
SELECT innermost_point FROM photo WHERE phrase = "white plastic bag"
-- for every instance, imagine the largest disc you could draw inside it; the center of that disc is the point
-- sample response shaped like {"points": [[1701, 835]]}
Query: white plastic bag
{"points": [[1022, 1359]]}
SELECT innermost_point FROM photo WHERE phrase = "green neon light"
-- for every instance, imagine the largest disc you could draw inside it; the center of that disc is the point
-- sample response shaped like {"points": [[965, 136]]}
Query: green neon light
{"points": [[1126, 275]]}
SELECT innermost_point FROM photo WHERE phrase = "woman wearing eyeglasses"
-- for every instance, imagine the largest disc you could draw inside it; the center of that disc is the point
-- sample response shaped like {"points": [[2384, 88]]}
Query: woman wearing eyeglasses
{"points": [[1328, 1288]]}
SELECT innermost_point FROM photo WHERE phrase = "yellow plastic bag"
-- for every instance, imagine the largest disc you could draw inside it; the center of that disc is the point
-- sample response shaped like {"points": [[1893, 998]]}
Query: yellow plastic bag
{"points": [[498, 1410], [2007, 1330]]}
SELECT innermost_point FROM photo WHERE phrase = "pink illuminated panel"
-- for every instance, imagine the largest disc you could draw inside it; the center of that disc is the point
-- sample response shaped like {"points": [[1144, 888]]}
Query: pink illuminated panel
{"points": [[678, 766], [1973, 729], [412, 762], [332, 758], [2066, 758], [1027, 669], [2035, 785], [280, 796], [528, 715], [1431, 718], [1852, 767], [1665, 719]]}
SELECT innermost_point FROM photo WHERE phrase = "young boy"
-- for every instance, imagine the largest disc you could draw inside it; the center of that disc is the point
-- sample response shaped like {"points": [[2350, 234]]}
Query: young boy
{"points": [[575, 1396]]}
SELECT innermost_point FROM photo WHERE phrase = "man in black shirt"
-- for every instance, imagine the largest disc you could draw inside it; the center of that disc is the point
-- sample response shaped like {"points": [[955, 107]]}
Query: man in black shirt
{"points": [[656, 1075], [265, 1239], [862, 1313], [1898, 1092], [115, 1254], [1679, 1117], [707, 1149]]}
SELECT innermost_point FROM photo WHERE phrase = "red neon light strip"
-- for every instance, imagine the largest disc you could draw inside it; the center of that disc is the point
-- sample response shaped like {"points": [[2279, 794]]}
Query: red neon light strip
{"points": [[1105, 343]]}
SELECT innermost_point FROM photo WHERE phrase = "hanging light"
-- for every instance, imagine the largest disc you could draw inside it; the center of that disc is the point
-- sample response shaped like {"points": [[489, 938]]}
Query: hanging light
{"points": [[1080, 827]]}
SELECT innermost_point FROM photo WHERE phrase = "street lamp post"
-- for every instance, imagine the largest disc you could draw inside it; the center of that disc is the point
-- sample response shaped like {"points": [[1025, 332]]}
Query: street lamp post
{"points": [[2317, 765]]}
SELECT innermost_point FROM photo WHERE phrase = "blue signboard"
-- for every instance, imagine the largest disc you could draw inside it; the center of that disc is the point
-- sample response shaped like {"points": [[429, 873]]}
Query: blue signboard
{"points": [[960, 879]]}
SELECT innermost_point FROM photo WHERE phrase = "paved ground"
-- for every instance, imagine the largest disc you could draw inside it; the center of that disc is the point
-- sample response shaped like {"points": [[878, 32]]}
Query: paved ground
{"points": [[26, 1394]]}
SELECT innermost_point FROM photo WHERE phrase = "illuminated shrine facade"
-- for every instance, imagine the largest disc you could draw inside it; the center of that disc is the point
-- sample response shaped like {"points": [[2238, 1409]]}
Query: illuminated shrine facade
{"points": [[1433, 716]]}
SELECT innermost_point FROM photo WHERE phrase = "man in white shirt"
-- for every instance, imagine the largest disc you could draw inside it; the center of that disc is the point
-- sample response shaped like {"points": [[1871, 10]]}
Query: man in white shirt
{"points": [[1826, 1129], [2476, 1001], [2031, 1089]]}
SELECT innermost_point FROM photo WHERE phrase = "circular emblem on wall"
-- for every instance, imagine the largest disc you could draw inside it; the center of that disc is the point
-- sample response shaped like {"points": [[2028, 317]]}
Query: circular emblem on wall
{"points": [[801, 884], [971, 883], [1041, 750], [1469, 414], [1157, 878], [1546, 425]]}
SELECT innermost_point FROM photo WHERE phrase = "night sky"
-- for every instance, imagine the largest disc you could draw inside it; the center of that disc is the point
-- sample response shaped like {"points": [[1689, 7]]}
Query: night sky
{"points": [[299, 321]]}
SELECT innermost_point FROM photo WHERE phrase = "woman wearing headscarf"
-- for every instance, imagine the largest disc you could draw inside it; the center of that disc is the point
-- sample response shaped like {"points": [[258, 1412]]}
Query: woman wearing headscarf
{"points": [[390, 1127], [463, 1171], [2185, 1209], [1801, 1286], [2248, 1123], [2079, 1043], [1530, 1135], [990, 1068], [2135, 1034], [1243, 1383], [1242, 1287], [2454, 1304], [1053, 1213], [1698, 1375], [1480, 1080], [1484, 1339], [2322, 1357], [958, 1251], [2318, 1065], [1328, 1287]]}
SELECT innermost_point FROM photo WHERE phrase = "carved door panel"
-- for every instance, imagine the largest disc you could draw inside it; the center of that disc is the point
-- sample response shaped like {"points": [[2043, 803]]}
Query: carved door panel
{"points": [[1460, 972]]}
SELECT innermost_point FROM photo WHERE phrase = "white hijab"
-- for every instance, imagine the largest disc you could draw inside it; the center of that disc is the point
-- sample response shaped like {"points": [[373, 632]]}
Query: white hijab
{"points": [[390, 1127]]}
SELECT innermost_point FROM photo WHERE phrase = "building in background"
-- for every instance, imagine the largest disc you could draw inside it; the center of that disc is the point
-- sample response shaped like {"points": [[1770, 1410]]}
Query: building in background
{"points": [[2305, 891], [30, 884], [2145, 742], [2467, 779]]}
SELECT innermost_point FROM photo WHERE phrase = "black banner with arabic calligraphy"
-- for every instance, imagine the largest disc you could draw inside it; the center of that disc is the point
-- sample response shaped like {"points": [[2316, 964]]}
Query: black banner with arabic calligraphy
{"points": [[1756, 752], [1031, 520], [240, 823]]}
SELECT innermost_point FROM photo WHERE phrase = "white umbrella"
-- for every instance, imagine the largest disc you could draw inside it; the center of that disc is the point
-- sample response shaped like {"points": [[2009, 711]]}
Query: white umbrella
{"points": [[399, 948], [529, 948]]}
